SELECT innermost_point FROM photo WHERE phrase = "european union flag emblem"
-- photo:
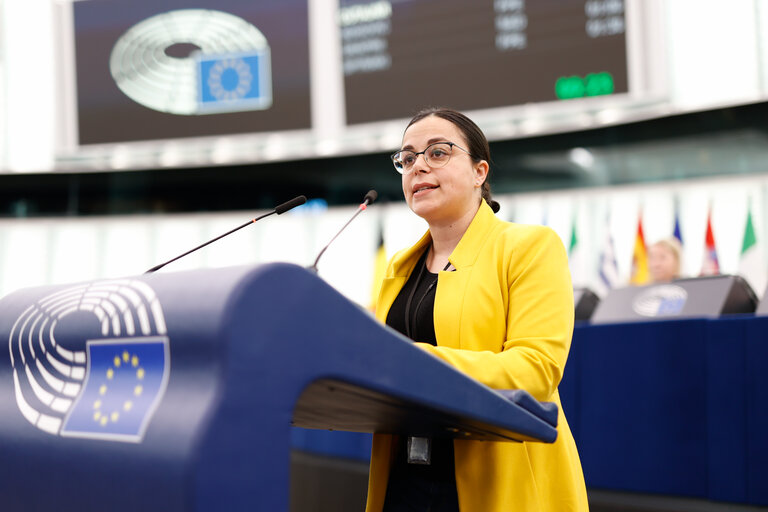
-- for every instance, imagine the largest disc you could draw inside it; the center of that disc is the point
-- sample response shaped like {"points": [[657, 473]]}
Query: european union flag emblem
{"points": [[235, 82], [672, 306], [124, 383]]}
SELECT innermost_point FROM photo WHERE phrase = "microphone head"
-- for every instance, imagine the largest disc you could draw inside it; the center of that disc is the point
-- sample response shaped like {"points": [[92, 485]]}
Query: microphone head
{"points": [[290, 205], [370, 197]]}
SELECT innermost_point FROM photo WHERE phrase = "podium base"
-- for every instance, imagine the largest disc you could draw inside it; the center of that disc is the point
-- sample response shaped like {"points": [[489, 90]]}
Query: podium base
{"points": [[321, 483]]}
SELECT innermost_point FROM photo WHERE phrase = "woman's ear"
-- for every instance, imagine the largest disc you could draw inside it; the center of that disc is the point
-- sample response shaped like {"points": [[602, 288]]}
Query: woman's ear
{"points": [[481, 172]]}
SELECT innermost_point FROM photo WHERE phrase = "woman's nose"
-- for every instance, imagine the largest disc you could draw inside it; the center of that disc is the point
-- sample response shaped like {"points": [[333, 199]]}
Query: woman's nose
{"points": [[420, 165]]}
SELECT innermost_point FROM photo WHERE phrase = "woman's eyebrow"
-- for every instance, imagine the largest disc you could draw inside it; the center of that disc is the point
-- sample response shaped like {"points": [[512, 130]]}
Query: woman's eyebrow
{"points": [[409, 147]]}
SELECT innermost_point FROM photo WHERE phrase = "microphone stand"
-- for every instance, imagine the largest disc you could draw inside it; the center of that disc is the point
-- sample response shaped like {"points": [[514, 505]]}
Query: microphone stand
{"points": [[288, 205], [369, 198]]}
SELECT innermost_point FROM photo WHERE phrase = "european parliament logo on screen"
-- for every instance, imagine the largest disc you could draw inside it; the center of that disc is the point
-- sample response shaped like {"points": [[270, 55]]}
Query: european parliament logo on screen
{"points": [[234, 82], [194, 62], [92, 361]]}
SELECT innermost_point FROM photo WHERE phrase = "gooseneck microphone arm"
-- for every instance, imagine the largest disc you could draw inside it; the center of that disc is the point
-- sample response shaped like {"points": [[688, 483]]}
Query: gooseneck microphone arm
{"points": [[369, 198], [288, 205]]}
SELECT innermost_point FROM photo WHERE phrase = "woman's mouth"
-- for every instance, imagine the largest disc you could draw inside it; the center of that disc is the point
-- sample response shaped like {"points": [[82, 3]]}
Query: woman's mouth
{"points": [[423, 189]]}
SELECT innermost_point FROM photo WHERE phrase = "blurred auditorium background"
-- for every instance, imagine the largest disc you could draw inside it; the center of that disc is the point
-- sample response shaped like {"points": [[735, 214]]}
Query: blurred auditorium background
{"points": [[121, 146]]}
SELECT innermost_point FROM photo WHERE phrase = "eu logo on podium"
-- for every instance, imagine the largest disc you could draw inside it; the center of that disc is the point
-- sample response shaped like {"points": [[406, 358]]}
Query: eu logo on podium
{"points": [[124, 382]]}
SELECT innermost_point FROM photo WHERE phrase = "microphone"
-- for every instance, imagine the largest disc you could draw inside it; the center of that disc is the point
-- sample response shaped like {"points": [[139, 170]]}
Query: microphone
{"points": [[288, 205], [280, 209], [369, 198]]}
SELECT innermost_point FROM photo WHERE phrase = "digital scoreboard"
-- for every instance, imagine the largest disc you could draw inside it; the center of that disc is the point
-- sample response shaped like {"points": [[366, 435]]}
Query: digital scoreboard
{"points": [[403, 55]]}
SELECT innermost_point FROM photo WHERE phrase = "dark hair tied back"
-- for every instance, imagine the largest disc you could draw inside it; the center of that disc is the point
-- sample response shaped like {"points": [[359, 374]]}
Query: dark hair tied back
{"points": [[477, 144]]}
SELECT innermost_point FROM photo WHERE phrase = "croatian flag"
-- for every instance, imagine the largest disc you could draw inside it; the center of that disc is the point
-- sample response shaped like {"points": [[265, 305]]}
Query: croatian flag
{"points": [[710, 266]]}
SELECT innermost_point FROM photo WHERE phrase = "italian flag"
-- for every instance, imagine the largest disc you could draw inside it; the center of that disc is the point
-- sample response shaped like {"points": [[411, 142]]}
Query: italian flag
{"points": [[576, 257], [752, 265]]}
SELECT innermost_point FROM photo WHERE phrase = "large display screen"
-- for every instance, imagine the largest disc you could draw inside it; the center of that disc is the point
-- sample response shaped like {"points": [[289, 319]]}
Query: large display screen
{"points": [[179, 68], [402, 55]]}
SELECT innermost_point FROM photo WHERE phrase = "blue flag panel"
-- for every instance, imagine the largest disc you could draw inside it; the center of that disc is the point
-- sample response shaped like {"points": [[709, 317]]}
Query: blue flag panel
{"points": [[235, 82], [124, 383]]}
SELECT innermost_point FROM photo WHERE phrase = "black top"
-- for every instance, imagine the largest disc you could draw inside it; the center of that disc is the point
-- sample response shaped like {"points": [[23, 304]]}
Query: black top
{"points": [[412, 312], [412, 315]]}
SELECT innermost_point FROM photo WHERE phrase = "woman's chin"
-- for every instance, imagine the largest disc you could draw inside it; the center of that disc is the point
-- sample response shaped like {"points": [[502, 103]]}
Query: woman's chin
{"points": [[422, 209]]}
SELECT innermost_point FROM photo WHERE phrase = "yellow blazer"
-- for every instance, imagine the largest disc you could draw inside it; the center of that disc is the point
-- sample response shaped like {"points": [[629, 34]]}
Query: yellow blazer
{"points": [[505, 318]]}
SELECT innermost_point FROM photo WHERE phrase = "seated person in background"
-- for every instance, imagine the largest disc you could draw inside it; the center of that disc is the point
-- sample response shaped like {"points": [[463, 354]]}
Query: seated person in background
{"points": [[664, 260]]}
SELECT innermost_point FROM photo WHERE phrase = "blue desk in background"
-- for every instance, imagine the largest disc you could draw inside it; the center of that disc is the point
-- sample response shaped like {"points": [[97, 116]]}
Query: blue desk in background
{"points": [[676, 407]]}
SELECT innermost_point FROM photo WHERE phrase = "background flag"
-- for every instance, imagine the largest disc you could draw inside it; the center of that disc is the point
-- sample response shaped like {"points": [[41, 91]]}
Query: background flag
{"points": [[608, 268], [677, 234], [710, 266], [379, 268], [640, 273], [574, 239], [752, 265], [576, 256]]}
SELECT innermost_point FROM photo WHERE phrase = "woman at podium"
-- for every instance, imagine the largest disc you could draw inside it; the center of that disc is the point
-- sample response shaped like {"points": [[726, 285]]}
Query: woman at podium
{"points": [[494, 300]]}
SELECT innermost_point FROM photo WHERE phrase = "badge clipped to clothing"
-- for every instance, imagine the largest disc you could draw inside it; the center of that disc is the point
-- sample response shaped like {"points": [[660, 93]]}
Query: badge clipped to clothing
{"points": [[419, 450]]}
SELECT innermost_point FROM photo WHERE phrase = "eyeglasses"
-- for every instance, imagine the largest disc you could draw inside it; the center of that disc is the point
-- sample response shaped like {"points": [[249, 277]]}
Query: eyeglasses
{"points": [[436, 155]]}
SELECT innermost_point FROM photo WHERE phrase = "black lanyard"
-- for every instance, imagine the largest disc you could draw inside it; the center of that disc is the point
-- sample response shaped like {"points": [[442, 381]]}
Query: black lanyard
{"points": [[408, 302]]}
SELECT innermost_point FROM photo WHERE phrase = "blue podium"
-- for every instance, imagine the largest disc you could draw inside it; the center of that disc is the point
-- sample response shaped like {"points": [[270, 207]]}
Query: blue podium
{"points": [[177, 391]]}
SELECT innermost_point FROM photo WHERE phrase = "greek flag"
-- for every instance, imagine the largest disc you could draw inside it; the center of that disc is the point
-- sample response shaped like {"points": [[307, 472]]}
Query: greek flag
{"points": [[608, 268]]}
